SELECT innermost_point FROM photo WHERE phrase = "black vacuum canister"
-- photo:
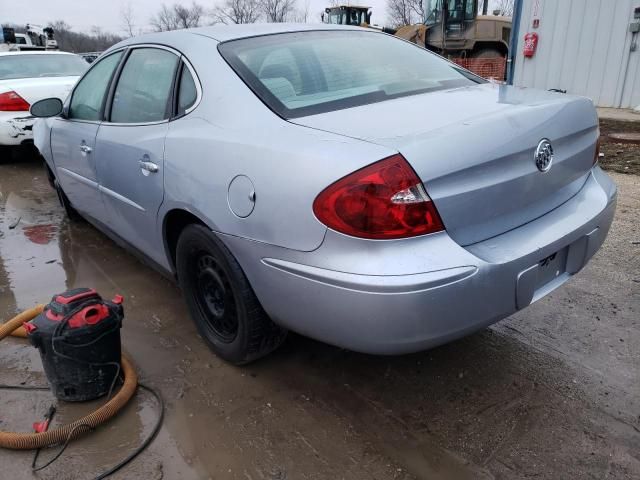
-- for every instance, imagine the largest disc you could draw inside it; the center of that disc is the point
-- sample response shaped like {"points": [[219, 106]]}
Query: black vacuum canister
{"points": [[78, 336]]}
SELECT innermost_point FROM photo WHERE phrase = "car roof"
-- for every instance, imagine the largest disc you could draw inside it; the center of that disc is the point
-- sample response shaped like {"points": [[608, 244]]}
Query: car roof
{"points": [[223, 33], [232, 32], [36, 52]]}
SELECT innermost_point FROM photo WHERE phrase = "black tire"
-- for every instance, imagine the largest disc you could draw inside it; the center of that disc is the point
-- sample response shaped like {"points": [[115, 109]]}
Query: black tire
{"points": [[221, 301], [72, 213]]}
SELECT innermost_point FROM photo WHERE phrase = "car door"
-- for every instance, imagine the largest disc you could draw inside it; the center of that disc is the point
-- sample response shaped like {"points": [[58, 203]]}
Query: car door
{"points": [[130, 146], [73, 137]]}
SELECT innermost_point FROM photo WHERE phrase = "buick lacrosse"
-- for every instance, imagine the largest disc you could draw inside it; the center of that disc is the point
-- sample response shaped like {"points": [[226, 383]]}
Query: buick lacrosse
{"points": [[333, 181]]}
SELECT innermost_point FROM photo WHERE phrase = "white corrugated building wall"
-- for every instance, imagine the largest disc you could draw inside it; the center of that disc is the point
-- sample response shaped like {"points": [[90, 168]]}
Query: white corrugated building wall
{"points": [[585, 47]]}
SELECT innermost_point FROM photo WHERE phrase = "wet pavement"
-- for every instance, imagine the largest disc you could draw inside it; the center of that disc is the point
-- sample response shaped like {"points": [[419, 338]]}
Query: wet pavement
{"points": [[552, 392]]}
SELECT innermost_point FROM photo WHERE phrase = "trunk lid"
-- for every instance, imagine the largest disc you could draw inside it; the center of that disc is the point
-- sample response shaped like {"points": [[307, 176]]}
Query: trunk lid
{"points": [[474, 149], [34, 89]]}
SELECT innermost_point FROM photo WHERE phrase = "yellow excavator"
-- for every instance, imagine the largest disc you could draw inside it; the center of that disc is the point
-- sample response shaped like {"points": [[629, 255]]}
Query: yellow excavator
{"points": [[451, 28]]}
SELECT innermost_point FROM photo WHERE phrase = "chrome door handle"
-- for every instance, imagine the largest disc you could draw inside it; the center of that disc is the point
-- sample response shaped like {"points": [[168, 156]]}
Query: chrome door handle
{"points": [[85, 148], [148, 166]]}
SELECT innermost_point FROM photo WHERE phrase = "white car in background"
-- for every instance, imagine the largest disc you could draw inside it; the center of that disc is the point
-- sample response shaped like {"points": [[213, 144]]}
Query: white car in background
{"points": [[25, 78]]}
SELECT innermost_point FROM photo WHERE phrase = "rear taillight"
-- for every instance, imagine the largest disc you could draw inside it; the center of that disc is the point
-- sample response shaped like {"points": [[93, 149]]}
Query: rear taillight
{"points": [[12, 102], [385, 200]]}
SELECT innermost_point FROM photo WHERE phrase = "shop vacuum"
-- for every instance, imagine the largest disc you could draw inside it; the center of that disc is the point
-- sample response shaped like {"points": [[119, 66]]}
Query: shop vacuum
{"points": [[78, 337]]}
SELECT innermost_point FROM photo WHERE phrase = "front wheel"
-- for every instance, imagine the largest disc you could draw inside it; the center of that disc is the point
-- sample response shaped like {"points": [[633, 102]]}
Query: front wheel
{"points": [[220, 299]]}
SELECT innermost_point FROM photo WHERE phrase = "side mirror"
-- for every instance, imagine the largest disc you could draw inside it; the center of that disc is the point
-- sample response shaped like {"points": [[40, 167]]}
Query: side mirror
{"points": [[48, 107]]}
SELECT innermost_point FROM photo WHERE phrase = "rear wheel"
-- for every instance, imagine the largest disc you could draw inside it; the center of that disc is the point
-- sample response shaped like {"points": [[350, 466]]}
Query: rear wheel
{"points": [[221, 301]]}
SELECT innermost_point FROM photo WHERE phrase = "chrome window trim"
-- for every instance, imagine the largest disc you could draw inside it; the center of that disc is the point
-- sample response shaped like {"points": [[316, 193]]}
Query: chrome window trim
{"points": [[181, 57], [134, 47], [73, 91]]}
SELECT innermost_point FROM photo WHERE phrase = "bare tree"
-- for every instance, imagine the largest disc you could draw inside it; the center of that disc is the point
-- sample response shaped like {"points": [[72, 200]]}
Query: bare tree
{"points": [[404, 12], [278, 11], [504, 8], [188, 17], [71, 41], [302, 15], [177, 16], [126, 15], [164, 20], [237, 11], [485, 7]]}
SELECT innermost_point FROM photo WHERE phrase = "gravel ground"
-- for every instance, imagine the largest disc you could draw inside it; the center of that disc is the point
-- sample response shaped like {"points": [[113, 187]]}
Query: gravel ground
{"points": [[622, 157], [551, 392]]}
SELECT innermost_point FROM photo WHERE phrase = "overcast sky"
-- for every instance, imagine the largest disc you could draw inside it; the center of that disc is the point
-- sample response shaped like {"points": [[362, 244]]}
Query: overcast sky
{"points": [[83, 14]]}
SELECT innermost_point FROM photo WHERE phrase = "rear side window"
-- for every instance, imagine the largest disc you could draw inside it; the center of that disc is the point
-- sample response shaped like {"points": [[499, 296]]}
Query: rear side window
{"points": [[187, 92], [306, 73], [144, 87], [88, 96]]}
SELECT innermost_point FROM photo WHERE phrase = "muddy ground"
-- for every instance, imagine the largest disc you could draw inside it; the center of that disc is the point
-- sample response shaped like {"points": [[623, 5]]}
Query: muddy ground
{"points": [[552, 392], [620, 156]]}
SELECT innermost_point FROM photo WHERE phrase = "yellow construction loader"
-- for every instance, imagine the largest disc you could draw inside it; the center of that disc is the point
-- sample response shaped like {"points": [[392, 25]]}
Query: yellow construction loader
{"points": [[451, 28]]}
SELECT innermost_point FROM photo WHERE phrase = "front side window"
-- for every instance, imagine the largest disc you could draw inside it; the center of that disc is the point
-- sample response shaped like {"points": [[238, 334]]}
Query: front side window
{"points": [[319, 74], [432, 11], [471, 8], [335, 18], [88, 96], [144, 87]]}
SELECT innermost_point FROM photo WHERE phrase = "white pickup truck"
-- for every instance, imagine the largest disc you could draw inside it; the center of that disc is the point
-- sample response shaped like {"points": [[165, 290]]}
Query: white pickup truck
{"points": [[36, 38]]}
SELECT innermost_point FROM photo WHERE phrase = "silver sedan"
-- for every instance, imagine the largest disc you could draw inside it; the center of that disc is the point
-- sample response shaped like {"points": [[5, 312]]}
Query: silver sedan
{"points": [[334, 181]]}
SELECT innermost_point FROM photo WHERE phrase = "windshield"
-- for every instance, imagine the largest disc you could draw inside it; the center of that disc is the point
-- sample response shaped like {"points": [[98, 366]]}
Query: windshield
{"points": [[41, 65], [344, 17], [458, 9], [299, 74], [336, 18], [432, 11]]}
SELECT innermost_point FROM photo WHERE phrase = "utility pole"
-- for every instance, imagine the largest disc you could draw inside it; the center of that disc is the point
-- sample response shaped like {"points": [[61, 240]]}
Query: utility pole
{"points": [[513, 41], [485, 7]]}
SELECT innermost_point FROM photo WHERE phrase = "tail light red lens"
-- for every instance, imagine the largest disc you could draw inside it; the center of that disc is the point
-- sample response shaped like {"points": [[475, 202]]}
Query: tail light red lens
{"points": [[385, 200], [12, 102]]}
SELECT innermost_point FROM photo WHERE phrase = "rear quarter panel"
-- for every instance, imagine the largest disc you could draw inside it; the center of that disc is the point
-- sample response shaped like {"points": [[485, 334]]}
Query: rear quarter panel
{"points": [[231, 133]]}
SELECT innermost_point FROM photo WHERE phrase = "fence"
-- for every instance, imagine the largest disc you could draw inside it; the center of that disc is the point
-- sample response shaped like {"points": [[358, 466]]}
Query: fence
{"points": [[495, 68]]}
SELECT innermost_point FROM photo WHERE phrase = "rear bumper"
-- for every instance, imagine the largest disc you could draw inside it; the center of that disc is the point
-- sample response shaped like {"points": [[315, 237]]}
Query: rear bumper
{"points": [[404, 296], [16, 128]]}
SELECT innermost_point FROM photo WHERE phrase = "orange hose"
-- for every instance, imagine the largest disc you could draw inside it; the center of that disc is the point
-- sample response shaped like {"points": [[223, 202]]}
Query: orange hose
{"points": [[31, 441], [14, 326]]}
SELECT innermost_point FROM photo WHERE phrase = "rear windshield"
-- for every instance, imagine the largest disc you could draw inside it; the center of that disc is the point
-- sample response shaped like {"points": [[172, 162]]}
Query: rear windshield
{"points": [[40, 65], [305, 73]]}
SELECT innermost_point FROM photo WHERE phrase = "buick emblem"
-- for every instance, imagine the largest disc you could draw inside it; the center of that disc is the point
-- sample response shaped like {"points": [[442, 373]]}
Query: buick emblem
{"points": [[544, 155]]}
